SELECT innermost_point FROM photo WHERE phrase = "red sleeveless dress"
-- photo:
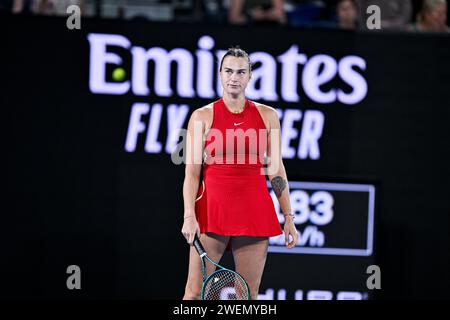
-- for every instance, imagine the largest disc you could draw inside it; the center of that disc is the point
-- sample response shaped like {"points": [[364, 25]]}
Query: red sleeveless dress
{"points": [[233, 199]]}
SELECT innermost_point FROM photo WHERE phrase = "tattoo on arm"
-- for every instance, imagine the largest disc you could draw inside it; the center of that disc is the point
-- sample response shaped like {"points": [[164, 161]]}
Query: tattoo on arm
{"points": [[278, 185]]}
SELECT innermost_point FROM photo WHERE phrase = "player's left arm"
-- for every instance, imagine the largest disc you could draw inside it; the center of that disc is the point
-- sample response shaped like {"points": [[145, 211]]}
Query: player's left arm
{"points": [[278, 177]]}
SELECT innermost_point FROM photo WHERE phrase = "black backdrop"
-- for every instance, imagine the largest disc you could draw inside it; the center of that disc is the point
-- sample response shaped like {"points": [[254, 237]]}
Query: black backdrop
{"points": [[75, 196]]}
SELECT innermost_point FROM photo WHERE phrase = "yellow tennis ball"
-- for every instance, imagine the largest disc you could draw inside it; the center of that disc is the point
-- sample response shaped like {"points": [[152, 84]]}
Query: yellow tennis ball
{"points": [[118, 74]]}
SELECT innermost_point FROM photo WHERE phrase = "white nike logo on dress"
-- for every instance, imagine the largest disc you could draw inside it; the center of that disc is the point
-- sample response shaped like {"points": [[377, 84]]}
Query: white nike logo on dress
{"points": [[236, 124]]}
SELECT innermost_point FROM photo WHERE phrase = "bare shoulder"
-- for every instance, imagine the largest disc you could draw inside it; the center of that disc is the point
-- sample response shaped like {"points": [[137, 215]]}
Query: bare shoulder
{"points": [[266, 110], [268, 113], [204, 114]]}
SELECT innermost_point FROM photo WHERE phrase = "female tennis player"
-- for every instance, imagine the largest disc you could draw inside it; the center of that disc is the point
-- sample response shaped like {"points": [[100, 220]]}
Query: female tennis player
{"points": [[231, 139]]}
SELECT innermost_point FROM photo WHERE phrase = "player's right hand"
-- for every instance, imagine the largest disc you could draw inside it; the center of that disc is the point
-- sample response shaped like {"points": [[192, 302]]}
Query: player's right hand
{"points": [[190, 228]]}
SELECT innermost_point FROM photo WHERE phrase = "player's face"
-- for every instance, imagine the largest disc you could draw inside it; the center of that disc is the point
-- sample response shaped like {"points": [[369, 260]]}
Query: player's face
{"points": [[235, 75]]}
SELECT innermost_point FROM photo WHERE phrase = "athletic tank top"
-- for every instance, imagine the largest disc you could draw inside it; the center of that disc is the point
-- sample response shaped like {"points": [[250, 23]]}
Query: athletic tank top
{"points": [[236, 139]]}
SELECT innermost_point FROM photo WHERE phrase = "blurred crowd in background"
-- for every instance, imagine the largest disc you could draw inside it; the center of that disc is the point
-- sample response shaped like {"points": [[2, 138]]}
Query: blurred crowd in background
{"points": [[407, 15]]}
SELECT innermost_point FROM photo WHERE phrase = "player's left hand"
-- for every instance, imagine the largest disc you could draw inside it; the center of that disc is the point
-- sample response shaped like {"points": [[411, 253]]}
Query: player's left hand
{"points": [[290, 230]]}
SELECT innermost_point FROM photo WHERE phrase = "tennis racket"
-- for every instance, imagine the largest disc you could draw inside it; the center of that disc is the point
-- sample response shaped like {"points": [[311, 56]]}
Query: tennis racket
{"points": [[223, 283]]}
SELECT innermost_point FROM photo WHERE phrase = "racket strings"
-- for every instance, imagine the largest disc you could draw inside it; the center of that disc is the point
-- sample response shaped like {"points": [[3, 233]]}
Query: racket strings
{"points": [[225, 285]]}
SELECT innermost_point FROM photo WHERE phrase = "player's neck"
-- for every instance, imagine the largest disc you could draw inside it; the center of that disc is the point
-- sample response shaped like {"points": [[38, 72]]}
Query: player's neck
{"points": [[234, 103]]}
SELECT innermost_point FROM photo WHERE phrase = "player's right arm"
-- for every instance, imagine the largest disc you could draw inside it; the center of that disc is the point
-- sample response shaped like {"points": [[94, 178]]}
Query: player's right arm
{"points": [[194, 157]]}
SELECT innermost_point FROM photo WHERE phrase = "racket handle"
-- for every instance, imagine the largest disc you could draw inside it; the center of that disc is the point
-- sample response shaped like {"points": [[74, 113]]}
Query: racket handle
{"points": [[198, 246]]}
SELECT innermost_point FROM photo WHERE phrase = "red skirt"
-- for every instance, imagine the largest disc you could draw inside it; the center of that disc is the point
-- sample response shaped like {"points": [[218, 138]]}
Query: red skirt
{"points": [[233, 200]]}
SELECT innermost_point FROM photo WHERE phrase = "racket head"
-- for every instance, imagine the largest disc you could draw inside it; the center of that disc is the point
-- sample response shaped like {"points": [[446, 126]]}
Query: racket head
{"points": [[225, 284]]}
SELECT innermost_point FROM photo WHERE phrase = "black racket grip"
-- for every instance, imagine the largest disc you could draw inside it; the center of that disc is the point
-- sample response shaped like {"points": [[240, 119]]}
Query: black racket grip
{"points": [[198, 246]]}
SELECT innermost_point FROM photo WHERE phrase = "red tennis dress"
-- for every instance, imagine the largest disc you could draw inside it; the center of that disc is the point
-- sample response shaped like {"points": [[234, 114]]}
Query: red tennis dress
{"points": [[233, 199]]}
